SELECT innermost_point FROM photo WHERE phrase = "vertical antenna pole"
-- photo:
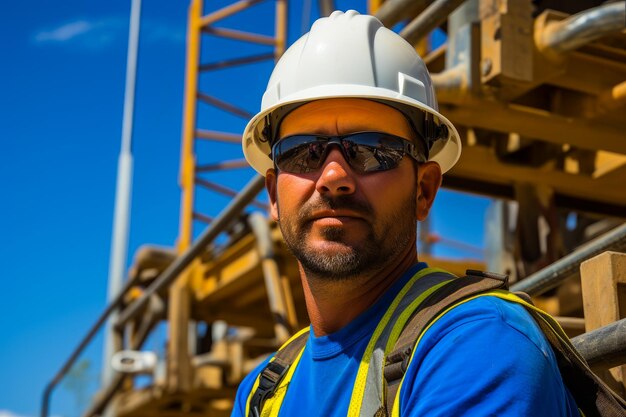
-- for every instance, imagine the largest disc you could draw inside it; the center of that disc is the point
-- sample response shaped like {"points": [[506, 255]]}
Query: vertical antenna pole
{"points": [[121, 220]]}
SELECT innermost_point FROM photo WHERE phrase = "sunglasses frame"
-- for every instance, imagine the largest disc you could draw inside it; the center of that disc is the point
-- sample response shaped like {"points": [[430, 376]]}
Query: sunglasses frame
{"points": [[407, 148]]}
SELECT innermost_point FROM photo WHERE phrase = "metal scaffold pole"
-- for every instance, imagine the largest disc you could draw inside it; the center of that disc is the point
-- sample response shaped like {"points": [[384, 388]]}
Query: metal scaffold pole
{"points": [[121, 220]]}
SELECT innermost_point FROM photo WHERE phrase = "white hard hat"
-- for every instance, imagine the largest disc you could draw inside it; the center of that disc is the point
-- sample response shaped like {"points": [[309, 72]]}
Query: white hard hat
{"points": [[349, 55]]}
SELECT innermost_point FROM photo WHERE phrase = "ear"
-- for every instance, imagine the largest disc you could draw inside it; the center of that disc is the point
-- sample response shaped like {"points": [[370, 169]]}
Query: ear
{"points": [[428, 183], [270, 185]]}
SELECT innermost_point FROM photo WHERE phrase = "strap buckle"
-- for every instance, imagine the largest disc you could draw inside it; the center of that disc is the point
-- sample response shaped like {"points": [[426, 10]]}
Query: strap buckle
{"points": [[268, 381]]}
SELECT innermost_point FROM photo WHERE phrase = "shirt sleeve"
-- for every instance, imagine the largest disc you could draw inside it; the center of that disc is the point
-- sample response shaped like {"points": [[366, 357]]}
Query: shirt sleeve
{"points": [[486, 357]]}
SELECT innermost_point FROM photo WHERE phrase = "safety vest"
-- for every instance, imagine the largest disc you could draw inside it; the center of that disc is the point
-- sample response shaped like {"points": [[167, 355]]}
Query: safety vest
{"points": [[392, 345]]}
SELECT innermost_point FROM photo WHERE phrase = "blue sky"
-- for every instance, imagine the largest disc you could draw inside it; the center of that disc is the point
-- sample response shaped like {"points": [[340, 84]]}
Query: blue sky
{"points": [[61, 95]]}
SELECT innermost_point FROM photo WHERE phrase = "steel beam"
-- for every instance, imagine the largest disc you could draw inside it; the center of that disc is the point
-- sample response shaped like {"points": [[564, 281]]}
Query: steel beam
{"points": [[535, 123]]}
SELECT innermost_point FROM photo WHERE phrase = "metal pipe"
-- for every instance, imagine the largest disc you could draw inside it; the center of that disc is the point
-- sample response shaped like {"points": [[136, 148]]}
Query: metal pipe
{"points": [[433, 16], [552, 275], [583, 28], [392, 12], [83, 344], [603, 348], [219, 224], [123, 193], [451, 85]]}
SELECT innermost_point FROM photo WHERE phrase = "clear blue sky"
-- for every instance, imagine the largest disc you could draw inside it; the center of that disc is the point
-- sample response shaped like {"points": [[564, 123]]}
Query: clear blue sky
{"points": [[61, 94]]}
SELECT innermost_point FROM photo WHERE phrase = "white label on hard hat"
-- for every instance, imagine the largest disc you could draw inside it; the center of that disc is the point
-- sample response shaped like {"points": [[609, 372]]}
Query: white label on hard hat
{"points": [[411, 87]]}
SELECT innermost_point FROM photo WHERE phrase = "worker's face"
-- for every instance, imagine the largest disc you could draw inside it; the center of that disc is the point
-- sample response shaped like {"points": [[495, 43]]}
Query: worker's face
{"points": [[339, 223]]}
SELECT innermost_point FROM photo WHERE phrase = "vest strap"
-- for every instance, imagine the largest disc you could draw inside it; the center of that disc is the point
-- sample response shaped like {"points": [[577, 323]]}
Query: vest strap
{"points": [[275, 371], [456, 290]]}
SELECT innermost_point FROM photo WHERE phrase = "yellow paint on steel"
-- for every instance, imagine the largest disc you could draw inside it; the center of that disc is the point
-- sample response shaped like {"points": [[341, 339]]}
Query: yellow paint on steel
{"points": [[226, 12], [373, 6], [281, 28], [188, 159]]}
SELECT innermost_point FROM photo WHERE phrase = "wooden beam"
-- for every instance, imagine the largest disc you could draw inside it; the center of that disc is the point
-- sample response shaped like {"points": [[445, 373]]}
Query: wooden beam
{"points": [[603, 281]]}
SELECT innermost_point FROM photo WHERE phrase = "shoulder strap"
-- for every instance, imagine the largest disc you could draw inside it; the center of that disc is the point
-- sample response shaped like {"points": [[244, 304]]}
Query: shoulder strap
{"points": [[592, 395], [274, 372], [398, 360]]}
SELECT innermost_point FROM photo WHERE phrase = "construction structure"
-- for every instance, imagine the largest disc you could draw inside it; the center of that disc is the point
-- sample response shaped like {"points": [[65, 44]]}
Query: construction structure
{"points": [[537, 90]]}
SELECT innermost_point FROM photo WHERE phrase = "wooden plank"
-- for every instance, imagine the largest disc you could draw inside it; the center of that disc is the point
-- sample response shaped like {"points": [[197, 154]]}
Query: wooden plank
{"points": [[603, 281]]}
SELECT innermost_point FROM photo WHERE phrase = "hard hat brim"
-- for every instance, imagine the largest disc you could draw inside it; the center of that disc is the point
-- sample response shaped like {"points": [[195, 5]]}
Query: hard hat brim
{"points": [[256, 148]]}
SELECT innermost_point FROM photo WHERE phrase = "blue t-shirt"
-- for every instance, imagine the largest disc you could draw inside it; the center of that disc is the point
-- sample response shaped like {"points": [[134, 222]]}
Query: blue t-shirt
{"points": [[485, 357]]}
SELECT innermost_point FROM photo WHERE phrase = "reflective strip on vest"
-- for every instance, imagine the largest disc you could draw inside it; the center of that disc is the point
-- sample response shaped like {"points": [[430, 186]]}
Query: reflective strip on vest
{"points": [[505, 295], [288, 375], [272, 404], [368, 391]]}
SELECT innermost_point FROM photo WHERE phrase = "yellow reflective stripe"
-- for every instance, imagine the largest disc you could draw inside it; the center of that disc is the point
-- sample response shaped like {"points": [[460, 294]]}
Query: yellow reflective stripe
{"points": [[272, 404], [503, 294], [256, 382], [548, 319], [358, 390], [254, 387], [407, 313]]}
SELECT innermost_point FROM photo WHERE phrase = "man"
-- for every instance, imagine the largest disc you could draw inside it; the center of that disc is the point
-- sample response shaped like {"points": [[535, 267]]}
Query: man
{"points": [[353, 149]]}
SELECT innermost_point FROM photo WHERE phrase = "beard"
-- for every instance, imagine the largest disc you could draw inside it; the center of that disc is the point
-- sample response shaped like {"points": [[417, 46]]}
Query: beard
{"points": [[384, 238]]}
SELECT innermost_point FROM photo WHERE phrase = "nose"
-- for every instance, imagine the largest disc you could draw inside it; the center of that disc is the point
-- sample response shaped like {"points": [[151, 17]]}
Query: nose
{"points": [[336, 176]]}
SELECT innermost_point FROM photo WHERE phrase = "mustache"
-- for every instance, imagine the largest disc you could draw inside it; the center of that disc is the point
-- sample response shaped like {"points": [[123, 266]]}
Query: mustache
{"points": [[342, 202]]}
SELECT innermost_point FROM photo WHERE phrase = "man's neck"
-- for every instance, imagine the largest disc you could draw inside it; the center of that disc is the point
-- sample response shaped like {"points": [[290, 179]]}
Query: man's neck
{"points": [[332, 304]]}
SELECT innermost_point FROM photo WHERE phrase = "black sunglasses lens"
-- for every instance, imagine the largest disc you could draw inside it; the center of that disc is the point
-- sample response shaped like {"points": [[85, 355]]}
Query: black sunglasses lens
{"points": [[373, 151], [365, 152], [299, 154]]}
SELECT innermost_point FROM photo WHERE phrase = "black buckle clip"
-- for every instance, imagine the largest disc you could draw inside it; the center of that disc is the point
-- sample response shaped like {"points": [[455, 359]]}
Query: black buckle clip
{"points": [[268, 381]]}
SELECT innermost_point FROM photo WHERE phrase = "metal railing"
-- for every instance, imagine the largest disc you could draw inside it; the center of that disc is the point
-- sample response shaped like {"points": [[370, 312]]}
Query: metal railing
{"points": [[220, 224], [552, 275]]}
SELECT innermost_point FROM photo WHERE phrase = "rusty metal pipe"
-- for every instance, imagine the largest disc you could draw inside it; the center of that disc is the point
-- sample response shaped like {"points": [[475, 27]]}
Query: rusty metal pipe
{"points": [[552, 275], [603, 348], [583, 28], [433, 16]]}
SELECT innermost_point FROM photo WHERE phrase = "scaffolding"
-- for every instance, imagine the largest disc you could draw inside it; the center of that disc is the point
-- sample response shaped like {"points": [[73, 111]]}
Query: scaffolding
{"points": [[538, 96]]}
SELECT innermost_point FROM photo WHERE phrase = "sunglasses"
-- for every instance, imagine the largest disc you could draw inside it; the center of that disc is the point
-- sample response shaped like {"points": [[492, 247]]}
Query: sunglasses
{"points": [[364, 151]]}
